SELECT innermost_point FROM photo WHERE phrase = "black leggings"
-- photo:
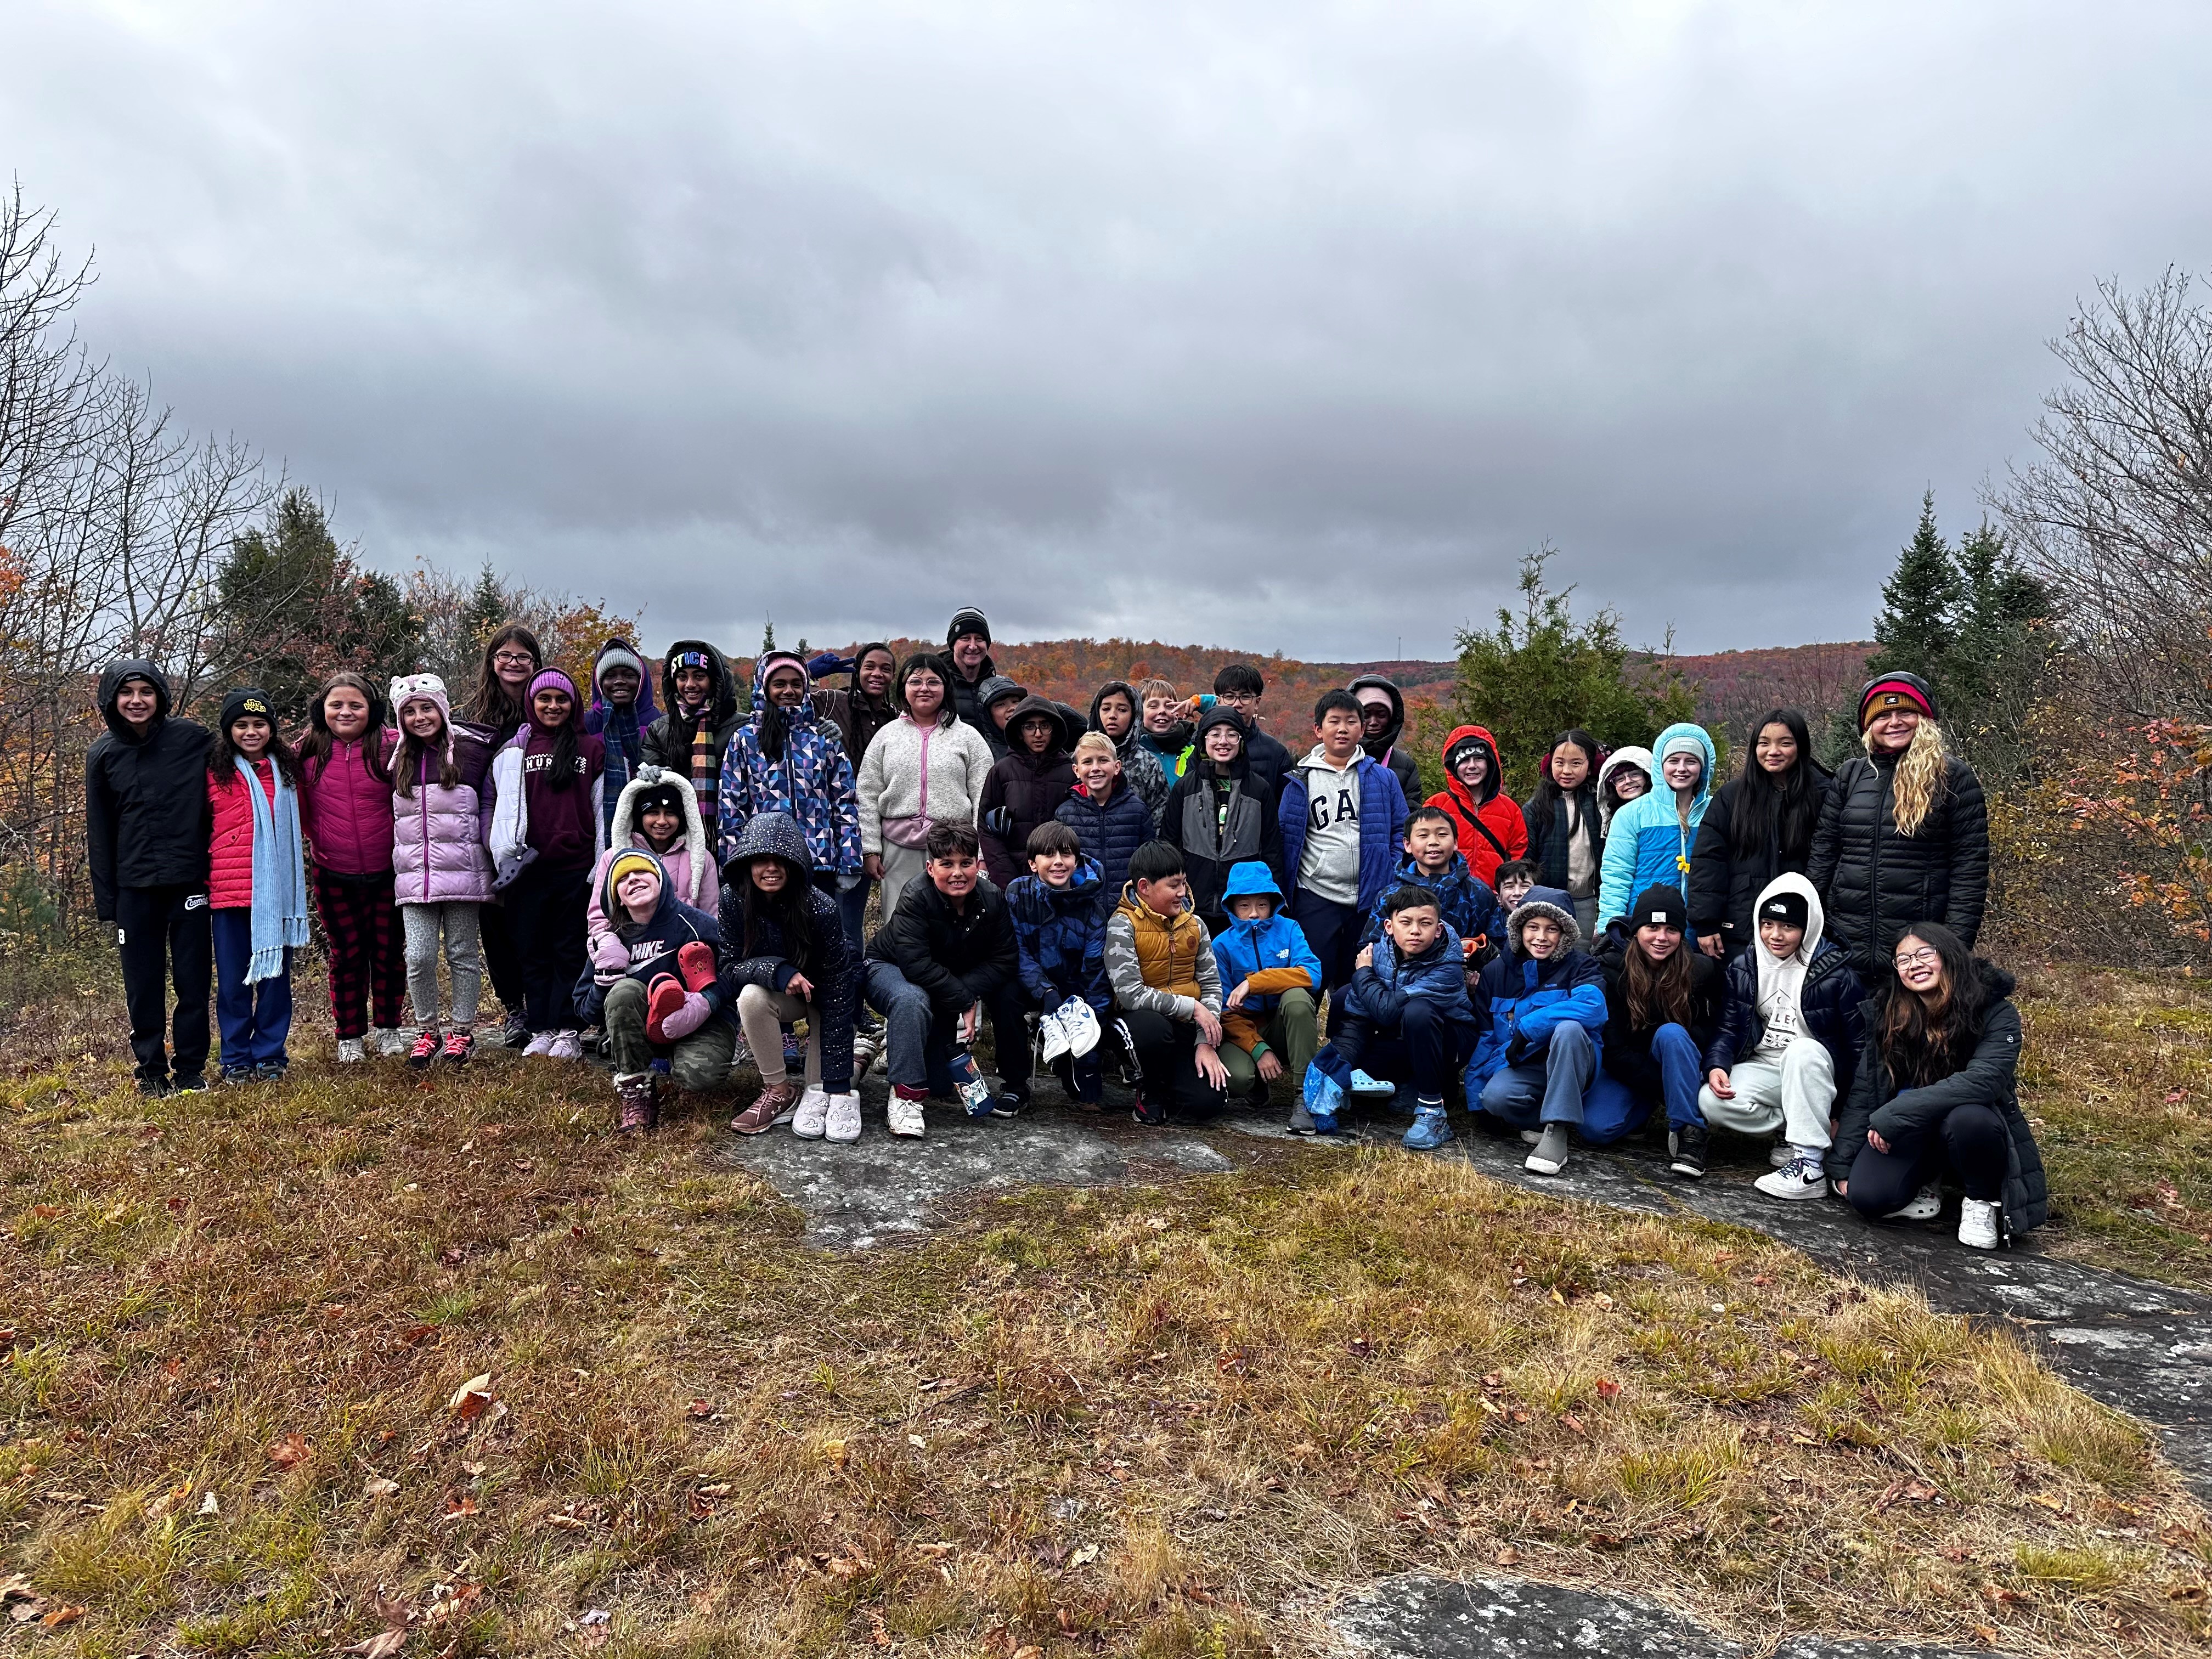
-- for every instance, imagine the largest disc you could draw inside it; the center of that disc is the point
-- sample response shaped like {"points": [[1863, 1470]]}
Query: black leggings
{"points": [[1971, 1141], [545, 919]]}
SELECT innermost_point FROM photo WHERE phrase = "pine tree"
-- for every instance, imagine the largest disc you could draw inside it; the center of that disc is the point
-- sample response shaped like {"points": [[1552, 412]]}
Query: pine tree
{"points": [[1919, 605], [487, 607], [768, 637]]}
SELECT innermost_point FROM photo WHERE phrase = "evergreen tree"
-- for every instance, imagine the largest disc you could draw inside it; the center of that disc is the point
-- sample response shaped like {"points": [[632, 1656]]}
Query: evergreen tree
{"points": [[768, 637], [1919, 604], [487, 607]]}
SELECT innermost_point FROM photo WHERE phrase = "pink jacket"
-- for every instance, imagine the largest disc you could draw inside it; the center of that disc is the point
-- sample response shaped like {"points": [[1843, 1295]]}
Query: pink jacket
{"points": [[345, 813], [438, 856], [230, 849]]}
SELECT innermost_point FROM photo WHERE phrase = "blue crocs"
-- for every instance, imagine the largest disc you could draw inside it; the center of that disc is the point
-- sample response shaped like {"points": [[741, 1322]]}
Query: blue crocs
{"points": [[1324, 1098], [1363, 1084], [1430, 1131]]}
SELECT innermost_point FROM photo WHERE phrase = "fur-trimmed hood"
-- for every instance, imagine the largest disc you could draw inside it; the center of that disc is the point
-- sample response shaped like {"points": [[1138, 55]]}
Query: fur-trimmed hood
{"points": [[652, 780]]}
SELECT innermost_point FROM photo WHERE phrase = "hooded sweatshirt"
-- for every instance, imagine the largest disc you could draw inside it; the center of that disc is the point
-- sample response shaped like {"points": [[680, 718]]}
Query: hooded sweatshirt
{"points": [[1812, 993], [1140, 767], [770, 959], [145, 796], [1384, 748], [1633, 754], [1650, 841], [653, 943], [527, 819], [811, 780], [690, 870], [1490, 826]]}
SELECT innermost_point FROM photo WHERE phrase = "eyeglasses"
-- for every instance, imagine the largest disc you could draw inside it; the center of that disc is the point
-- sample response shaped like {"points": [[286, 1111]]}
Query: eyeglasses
{"points": [[1921, 958], [513, 659], [1237, 699]]}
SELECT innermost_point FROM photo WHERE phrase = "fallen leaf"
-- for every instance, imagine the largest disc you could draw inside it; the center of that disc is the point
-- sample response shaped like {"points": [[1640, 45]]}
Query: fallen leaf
{"points": [[1508, 1557], [60, 1616], [457, 1506], [415, 1333], [1608, 1388], [917, 1443], [378, 1486], [565, 1523], [834, 1451], [452, 1255], [1955, 1553], [290, 1452], [936, 1552], [446, 1600], [719, 1489], [1083, 1557], [1574, 1424], [1986, 1634], [2191, 1593], [2054, 1505], [1029, 1652], [877, 1635], [701, 1408], [469, 1400]]}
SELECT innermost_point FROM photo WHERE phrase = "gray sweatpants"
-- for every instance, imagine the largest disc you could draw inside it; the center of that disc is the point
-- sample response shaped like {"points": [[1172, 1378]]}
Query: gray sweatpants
{"points": [[457, 923]]}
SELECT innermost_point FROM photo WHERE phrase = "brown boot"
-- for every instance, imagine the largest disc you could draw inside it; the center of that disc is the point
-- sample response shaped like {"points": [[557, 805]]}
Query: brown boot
{"points": [[760, 1117], [639, 1094]]}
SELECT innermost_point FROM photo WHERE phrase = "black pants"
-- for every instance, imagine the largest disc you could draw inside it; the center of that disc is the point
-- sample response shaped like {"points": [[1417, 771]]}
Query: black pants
{"points": [[545, 920], [1971, 1142], [1333, 930], [1167, 1054], [166, 933], [502, 962], [1435, 1047]]}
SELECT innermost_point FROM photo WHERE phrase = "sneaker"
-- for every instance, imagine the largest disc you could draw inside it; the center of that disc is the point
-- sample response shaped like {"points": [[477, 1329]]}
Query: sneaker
{"points": [[272, 1071], [564, 1046], [459, 1045], [1302, 1121], [769, 1104], [866, 1045], [811, 1115], [194, 1084], [1980, 1223], [1685, 1149], [905, 1115], [516, 1032], [541, 1043], [1363, 1084], [1927, 1203], [1009, 1103], [237, 1077], [426, 1050], [1143, 1111], [154, 1087], [349, 1051], [1080, 1022], [1804, 1178], [1132, 1072], [638, 1092], [1781, 1155], [1550, 1155], [1430, 1131], [1052, 1036], [844, 1120]]}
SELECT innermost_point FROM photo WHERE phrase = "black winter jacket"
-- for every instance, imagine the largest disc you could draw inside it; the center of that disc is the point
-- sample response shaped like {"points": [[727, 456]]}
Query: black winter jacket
{"points": [[1876, 883], [1830, 997], [1550, 847], [1022, 791], [1627, 1048], [958, 957], [1988, 1079], [770, 963], [1192, 825], [145, 798], [667, 742], [1723, 888], [1269, 763]]}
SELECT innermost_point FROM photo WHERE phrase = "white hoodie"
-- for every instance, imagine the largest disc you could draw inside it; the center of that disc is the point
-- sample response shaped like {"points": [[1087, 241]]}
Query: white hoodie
{"points": [[1782, 979]]}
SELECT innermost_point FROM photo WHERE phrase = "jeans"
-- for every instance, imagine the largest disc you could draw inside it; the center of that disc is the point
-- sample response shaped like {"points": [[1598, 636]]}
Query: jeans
{"points": [[1435, 1047], [163, 932], [255, 1019], [1796, 1096], [1972, 1140], [1548, 1090], [852, 914], [701, 1061], [921, 1036], [1167, 1054], [1291, 1031]]}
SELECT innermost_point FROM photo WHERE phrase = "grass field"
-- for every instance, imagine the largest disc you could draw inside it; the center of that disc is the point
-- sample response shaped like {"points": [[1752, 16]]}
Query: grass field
{"points": [[359, 1362]]}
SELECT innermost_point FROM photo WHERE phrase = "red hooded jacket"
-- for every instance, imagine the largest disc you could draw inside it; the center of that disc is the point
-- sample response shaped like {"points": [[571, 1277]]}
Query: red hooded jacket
{"points": [[1491, 830]]}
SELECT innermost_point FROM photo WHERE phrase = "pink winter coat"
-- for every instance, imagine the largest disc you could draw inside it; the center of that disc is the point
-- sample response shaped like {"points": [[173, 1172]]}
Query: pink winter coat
{"points": [[438, 856], [345, 813], [230, 846]]}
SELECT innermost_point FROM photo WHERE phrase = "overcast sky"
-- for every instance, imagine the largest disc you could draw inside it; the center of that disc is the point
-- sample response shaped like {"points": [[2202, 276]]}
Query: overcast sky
{"points": [[1272, 326]]}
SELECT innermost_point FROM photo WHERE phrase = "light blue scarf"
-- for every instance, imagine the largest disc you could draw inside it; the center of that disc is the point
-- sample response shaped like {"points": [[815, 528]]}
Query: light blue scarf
{"points": [[280, 874]]}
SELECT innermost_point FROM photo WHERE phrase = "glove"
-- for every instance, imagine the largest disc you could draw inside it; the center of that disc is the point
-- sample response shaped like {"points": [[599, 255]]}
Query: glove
{"points": [[829, 662], [662, 998], [609, 952], [687, 1018], [847, 883], [1000, 821], [695, 963]]}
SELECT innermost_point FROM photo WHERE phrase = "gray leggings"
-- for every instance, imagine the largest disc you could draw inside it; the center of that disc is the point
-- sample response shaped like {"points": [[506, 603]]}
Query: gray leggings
{"points": [[457, 920]]}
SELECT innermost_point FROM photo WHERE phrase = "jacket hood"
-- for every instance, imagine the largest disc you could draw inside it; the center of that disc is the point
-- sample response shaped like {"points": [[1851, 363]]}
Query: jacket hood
{"points": [[722, 699], [771, 660], [621, 653], [991, 687], [770, 835], [1550, 901], [110, 687], [1222, 714], [1378, 746], [421, 688], [1062, 739], [1250, 879], [1318, 756], [1681, 735], [1994, 980], [1492, 783], [1634, 755], [1816, 919], [653, 780], [613, 907]]}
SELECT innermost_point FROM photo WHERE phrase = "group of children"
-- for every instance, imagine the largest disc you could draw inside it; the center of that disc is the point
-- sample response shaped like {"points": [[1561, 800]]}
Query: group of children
{"points": [[1161, 886]]}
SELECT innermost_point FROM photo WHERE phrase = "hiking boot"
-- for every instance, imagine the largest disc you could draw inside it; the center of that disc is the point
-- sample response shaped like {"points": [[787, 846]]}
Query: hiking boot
{"points": [[760, 1117], [349, 1051], [904, 1112], [843, 1123], [459, 1045], [1549, 1156], [811, 1115], [1430, 1131], [1685, 1149], [639, 1094], [1980, 1225], [1804, 1178], [1927, 1203], [425, 1050]]}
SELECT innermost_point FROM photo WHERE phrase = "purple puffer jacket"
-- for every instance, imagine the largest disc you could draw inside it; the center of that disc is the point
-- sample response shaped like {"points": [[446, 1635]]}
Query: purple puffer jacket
{"points": [[438, 856], [346, 812]]}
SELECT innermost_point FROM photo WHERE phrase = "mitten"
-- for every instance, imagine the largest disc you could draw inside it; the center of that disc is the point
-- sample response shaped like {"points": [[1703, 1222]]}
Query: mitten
{"points": [[687, 1018], [695, 963], [609, 952], [662, 998]]}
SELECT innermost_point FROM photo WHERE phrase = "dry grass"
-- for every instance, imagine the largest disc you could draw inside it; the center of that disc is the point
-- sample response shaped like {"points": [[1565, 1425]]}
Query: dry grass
{"points": [[1163, 1420]]}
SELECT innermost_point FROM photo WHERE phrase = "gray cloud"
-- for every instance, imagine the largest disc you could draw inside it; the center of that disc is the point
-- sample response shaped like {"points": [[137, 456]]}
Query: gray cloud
{"points": [[1284, 328]]}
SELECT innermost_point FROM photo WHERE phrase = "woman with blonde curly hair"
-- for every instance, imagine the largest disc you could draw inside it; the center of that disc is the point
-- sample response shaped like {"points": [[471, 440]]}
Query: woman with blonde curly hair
{"points": [[1904, 836]]}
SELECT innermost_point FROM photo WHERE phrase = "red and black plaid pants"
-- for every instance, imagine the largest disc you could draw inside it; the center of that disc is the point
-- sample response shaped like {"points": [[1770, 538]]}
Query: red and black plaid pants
{"points": [[368, 959]]}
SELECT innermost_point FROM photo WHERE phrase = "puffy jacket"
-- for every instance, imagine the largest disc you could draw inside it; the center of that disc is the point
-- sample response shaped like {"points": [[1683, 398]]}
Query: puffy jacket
{"points": [[967, 699], [145, 798], [1403, 766], [1108, 833], [915, 775], [1268, 762], [958, 957], [1724, 887], [1988, 1079], [1382, 814], [1551, 844], [1648, 844], [1162, 964], [1194, 825], [1380, 991], [768, 959], [1021, 792], [1628, 1056], [1270, 957], [667, 742], [1877, 882], [1140, 767], [230, 844], [1060, 937], [1519, 1001], [1491, 830], [438, 855], [691, 869], [345, 809], [653, 945], [812, 781], [1469, 909]]}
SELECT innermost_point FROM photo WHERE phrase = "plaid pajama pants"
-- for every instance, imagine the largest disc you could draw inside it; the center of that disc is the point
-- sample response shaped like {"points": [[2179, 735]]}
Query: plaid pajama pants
{"points": [[361, 923]]}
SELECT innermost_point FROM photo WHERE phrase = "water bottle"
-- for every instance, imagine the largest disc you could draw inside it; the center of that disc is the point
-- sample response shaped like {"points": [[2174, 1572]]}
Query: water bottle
{"points": [[969, 1082]]}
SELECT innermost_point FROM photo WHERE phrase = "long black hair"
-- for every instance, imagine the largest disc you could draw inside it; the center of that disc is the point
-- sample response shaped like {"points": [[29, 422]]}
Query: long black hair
{"points": [[561, 767], [1780, 813], [775, 724], [1920, 1044], [787, 911], [223, 755], [1545, 800]]}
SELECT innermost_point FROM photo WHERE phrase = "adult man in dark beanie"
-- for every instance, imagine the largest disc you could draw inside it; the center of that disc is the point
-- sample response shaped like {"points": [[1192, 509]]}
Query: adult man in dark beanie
{"points": [[967, 645]]}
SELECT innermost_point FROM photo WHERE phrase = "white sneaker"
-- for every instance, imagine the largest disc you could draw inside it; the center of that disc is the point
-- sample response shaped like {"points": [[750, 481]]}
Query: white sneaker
{"points": [[811, 1115], [1052, 1035], [1977, 1224], [1781, 1155], [866, 1047], [390, 1042], [905, 1118], [350, 1051], [1080, 1021], [1801, 1179], [844, 1118], [1927, 1203]]}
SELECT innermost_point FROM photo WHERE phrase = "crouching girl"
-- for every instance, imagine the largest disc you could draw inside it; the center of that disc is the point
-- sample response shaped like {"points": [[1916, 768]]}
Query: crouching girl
{"points": [[1662, 1002], [655, 986]]}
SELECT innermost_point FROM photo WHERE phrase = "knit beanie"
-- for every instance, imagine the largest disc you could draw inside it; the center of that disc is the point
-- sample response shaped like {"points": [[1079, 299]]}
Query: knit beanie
{"points": [[690, 659], [245, 700], [775, 659], [1659, 907], [551, 679], [1786, 907], [967, 619], [1683, 744], [1895, 691], [631, 861], [618, 655]]}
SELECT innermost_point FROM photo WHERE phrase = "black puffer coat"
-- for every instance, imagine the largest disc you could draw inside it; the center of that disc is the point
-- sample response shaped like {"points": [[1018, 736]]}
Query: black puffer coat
{"points": [[1550, 848], [1024, 791], [1988, 1079], [145, 796], [667, 742], [1723, 887], [1877, 882]]}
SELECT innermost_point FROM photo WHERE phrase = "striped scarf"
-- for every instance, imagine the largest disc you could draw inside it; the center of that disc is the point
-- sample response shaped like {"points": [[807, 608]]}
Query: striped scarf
{"points": [[706, 767]]}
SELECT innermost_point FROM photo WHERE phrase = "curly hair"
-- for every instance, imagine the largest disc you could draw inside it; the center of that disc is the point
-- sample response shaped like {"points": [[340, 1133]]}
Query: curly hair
{"points": [[1922, 774]]}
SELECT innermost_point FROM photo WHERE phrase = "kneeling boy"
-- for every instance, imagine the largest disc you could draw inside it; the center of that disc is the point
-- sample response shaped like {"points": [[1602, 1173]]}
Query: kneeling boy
{"points": [[1410, 985], [1543, 1005], [652, 984], [1270, 1022], [1167, 987], [1788, 1042], [1059, 934]]}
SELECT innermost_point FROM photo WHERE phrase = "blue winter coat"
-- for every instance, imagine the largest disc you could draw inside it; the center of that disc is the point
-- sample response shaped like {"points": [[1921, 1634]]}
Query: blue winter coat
{"points": [[653, 946], [1647, 844], [1107, 834], [1522, 1001], [770, 963], [812, 782], [1382, 814], [1380, 991], [1059, 933], [1470, 909], [1247, 947]]}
